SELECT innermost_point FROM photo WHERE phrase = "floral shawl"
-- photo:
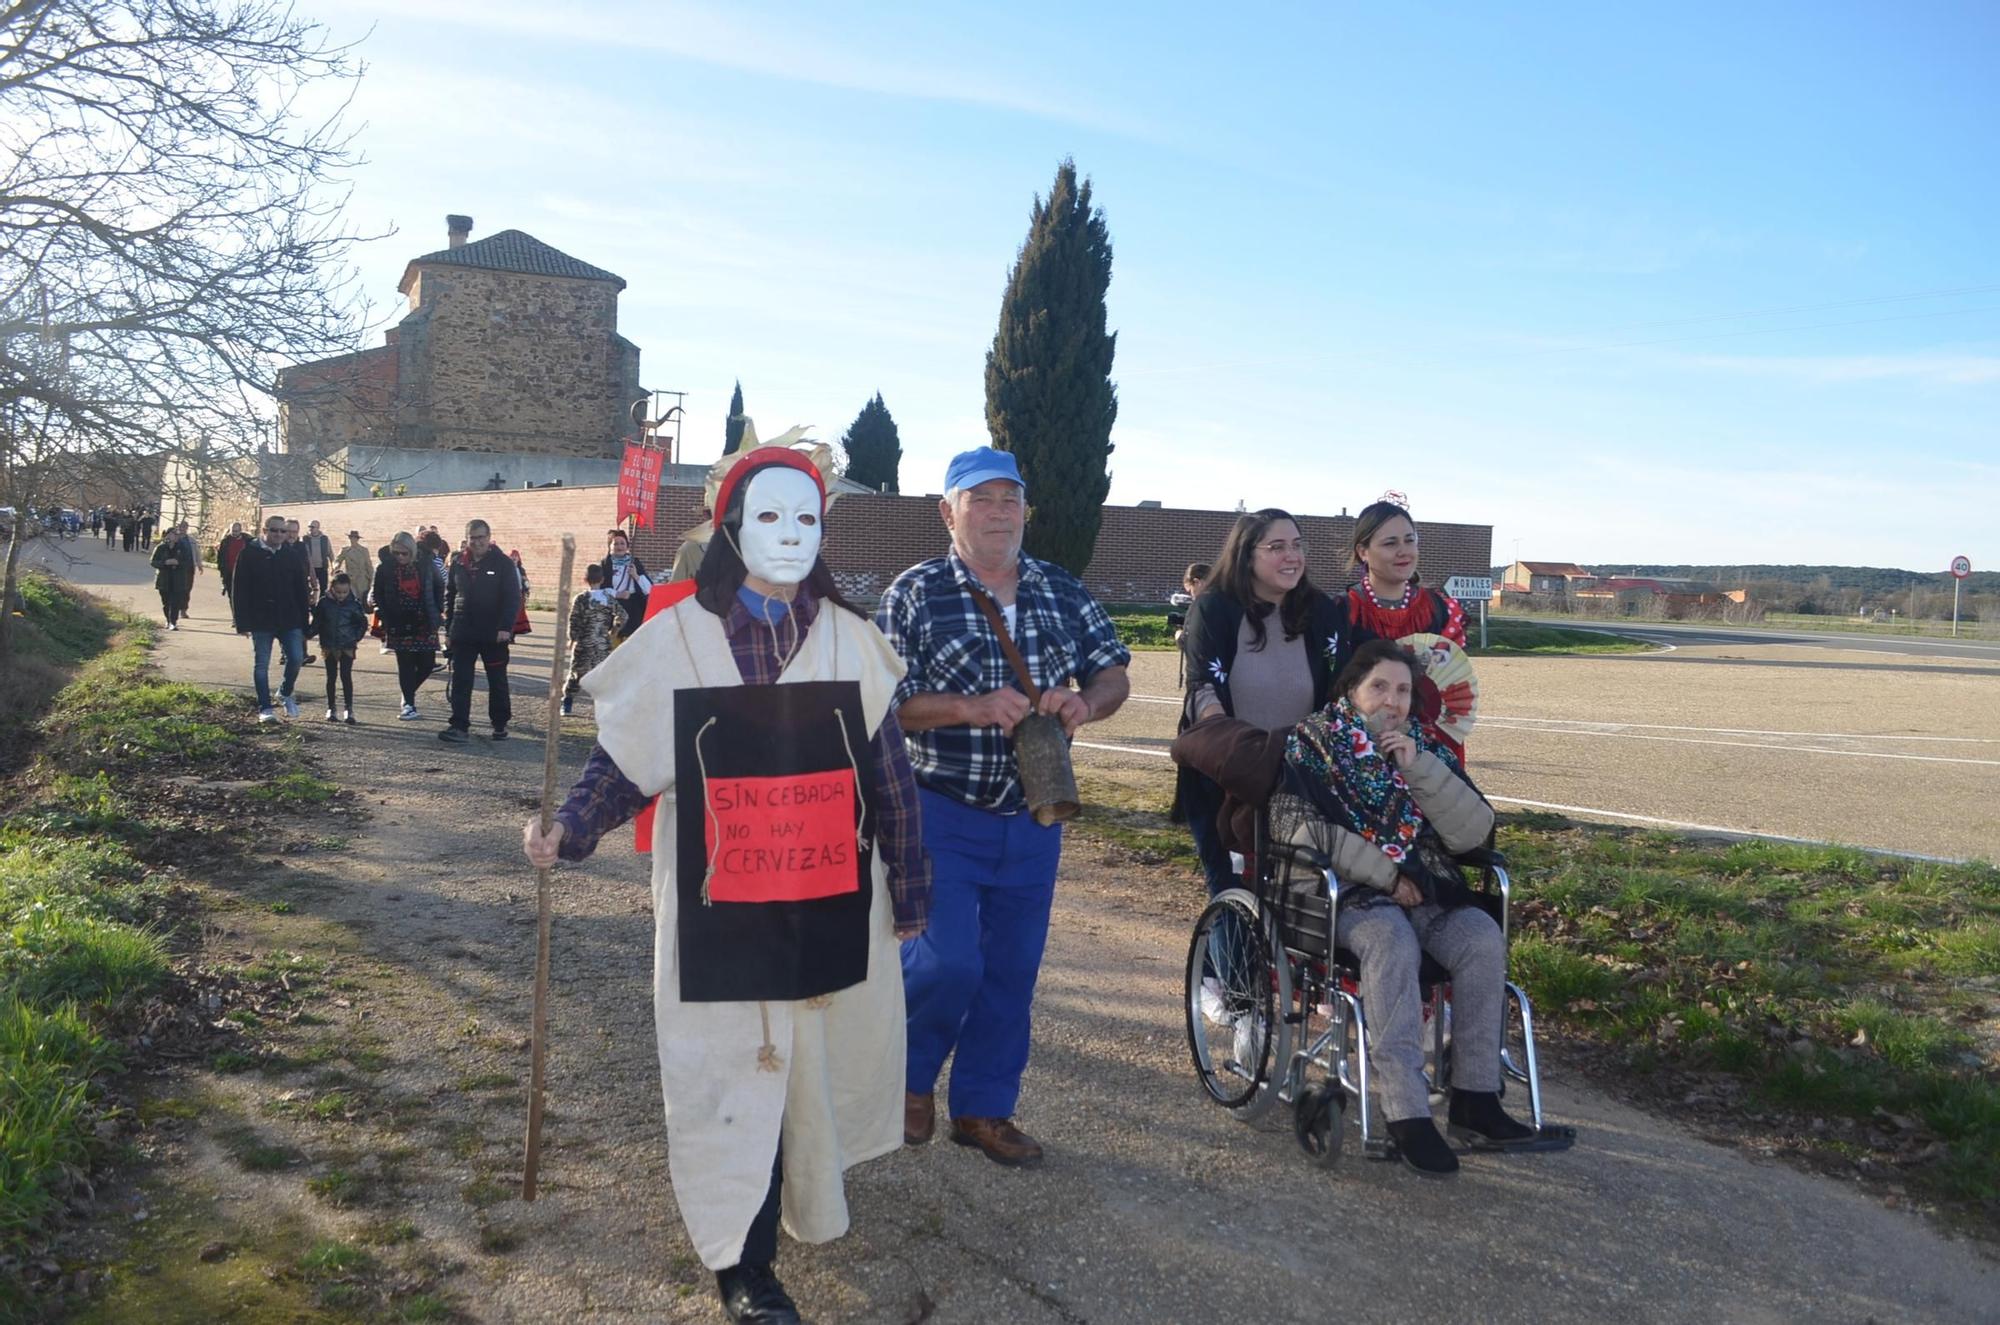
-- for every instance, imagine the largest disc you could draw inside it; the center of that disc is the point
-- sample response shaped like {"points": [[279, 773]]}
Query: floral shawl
{"points": [[1331, 760]]}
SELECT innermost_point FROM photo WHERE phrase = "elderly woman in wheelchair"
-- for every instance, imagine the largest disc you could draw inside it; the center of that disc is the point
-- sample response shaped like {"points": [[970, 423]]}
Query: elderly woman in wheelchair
{"points": [[1359, 828]]}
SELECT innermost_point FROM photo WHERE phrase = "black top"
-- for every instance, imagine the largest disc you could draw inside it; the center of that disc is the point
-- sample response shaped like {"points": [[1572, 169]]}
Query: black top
{"points": [[268, 592], [481, 599], [1209, 640]]}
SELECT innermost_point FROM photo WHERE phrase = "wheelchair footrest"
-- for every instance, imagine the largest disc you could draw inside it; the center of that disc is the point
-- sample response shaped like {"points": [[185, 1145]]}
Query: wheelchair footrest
{"points": [[1549, 1136]]}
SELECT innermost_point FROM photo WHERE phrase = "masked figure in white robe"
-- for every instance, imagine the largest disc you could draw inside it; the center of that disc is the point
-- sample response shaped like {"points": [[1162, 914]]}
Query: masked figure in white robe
{"points": [[787, 865]]}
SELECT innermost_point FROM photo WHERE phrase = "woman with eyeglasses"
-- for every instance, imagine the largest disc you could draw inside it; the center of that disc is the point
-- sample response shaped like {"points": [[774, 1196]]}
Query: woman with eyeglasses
{"points": [[409, 596], [1257, 644]]}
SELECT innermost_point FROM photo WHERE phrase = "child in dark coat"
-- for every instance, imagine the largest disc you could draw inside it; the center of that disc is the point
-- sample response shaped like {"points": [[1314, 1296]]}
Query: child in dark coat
{"points": [[339, 621]]}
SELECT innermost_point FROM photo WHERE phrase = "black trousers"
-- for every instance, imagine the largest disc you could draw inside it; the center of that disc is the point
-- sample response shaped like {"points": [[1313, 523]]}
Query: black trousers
{"points": [[760, 1244], [339, 663], [499, 706], [170, 603], [412, 670], [319, 574]]}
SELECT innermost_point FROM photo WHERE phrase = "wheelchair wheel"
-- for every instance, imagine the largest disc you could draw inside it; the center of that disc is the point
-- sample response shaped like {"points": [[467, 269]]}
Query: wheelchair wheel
{"points": [[1319, 1120], [1238, 990]]}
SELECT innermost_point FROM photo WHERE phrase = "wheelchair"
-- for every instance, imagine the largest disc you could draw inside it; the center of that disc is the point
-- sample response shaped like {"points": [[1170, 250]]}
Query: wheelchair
{"points": [[1274, 1010]]}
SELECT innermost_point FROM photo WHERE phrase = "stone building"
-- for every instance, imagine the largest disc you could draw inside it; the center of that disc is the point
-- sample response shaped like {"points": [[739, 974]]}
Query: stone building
{"points": [[510, 348]]}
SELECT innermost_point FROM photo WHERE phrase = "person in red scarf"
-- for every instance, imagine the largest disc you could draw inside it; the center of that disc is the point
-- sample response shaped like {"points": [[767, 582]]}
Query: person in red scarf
{"points": [[1390, 600]]}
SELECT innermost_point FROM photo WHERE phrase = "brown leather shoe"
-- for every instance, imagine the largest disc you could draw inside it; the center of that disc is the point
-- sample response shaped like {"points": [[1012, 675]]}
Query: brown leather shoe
{"points": [[1003, 1142], [919, 1118]]}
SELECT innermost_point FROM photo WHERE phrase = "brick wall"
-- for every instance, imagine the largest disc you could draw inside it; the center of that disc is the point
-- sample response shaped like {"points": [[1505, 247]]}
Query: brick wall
{"points": [[1141, 551]]}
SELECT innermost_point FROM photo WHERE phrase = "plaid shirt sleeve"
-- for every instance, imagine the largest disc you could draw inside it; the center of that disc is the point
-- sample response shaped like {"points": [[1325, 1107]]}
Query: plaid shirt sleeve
{"points": [[602, 799], [899, 618], [898, 827]]}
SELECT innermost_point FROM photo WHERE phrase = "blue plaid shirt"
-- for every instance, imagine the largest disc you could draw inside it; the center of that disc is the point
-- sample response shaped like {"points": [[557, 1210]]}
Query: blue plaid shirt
{"points": [[931, 618]]}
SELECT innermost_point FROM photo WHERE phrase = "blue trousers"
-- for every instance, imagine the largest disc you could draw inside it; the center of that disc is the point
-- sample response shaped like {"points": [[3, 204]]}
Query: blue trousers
{"points": [[969, 979], [293, 643]]}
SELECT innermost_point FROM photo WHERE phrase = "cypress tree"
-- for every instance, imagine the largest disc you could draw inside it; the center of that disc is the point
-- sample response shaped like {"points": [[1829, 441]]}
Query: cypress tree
{"points": [[874, 451], [1049, 395], [732, 430]]}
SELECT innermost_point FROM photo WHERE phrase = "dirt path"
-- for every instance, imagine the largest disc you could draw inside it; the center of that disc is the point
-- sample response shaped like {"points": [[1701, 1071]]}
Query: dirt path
{"points": [[1153, 1205]]}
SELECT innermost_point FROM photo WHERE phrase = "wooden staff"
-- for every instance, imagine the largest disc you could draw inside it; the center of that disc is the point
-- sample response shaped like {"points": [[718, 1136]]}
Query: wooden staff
{"points": [[539, 1034]]}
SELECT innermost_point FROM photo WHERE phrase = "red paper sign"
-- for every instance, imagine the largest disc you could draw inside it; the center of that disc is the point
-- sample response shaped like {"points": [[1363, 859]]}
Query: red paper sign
{"points": [[782, 839], [639, 484]]}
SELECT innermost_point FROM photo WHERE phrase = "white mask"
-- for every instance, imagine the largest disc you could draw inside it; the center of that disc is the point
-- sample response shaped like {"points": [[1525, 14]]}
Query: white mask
{"points": [[781, 525]]}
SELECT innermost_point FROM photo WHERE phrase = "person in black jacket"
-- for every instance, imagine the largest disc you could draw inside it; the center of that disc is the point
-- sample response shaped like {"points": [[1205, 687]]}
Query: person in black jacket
{"points": [[1259, 644], [269, 602], [339, 621], [482, 598]]}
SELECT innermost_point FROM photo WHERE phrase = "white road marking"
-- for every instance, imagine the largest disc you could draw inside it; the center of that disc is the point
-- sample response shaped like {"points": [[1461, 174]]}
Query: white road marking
{"points": [[1121, 749], [1735, 731], [1746, 745], [1155, 699]]}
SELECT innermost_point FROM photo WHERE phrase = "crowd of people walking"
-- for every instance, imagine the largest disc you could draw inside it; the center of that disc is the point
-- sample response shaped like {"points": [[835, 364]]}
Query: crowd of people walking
{"points": [[899, 906]]}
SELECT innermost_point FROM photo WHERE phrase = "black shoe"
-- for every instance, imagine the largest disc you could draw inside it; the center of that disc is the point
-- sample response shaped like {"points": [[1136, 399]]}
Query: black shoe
{"points": [[752, 1293], [1420, 1147], [499, 733], [1475, 1117], [454, 736]]}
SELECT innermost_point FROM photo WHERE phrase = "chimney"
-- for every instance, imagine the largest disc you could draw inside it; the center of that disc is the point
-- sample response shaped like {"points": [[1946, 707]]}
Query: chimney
{"points": [[459, 227]]}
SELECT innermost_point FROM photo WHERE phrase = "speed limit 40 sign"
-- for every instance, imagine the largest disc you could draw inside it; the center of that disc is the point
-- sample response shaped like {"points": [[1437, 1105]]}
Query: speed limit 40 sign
{"points": [[1961, 567]]}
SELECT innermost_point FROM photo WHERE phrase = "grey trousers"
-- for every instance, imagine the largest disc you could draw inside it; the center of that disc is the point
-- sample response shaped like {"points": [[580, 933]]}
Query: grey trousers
{"points": [[1389, 942]]}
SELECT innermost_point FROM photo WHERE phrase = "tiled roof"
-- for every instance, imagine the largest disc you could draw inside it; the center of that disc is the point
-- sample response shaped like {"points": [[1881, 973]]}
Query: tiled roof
{"points": [[513, 250]]}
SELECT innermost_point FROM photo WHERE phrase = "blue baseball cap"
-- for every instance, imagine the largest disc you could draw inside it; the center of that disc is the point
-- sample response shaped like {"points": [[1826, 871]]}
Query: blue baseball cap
{"points": [[969, 469]]}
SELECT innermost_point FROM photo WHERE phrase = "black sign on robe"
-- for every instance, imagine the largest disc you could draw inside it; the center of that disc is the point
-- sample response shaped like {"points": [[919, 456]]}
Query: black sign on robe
{"points": [[773, 873]]}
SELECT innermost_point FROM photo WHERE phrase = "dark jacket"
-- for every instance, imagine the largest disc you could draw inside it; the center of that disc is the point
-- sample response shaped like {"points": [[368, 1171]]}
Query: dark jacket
{"points": [[177, 579], [389, 603], [1208, 642], [1244, 760], [269, 592], [337, 624], [226, 552], [481, 599]]}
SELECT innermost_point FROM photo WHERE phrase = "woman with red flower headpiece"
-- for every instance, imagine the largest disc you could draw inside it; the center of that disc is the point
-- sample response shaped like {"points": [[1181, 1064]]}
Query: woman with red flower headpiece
{"points": [[1390, 600]]}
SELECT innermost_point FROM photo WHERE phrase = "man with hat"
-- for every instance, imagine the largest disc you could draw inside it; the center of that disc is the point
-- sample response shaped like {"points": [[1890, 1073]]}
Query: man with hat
{"points": [[787, 862], [969, 979], [357, 562]]}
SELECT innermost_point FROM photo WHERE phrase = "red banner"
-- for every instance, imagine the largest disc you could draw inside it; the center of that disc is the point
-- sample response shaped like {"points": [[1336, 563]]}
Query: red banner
{"points": [[639, 484]]}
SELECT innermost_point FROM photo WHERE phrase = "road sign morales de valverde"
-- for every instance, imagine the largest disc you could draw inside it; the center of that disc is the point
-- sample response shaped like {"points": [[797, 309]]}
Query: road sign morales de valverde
{"points": [[1469, 588], [1961, 567]]}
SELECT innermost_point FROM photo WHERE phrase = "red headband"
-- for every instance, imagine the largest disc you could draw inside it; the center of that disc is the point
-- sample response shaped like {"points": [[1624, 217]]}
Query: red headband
{"points": [[765, 457]]}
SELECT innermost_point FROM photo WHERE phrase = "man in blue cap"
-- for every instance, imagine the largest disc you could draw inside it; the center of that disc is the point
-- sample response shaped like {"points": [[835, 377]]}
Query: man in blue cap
{"points": [[969, 980]]}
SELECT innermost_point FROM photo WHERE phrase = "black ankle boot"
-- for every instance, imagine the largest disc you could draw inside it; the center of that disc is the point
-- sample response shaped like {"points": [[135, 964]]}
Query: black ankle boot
{"points": [[1475, 1116], [752, 1295], [1420, 1147]]}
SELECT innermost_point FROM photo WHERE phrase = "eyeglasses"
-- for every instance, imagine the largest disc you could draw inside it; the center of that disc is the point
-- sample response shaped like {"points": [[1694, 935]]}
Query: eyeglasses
{"points": [[1278, 548]]}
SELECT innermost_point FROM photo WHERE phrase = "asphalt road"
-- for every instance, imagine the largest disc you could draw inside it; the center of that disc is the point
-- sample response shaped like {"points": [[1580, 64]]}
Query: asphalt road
{"points": [[1915, 646], [1153, 1205], [1772, 735]]}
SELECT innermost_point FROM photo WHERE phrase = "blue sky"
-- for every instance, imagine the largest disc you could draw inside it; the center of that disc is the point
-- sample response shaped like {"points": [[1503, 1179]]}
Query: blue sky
{"points": [[1690, 282]]}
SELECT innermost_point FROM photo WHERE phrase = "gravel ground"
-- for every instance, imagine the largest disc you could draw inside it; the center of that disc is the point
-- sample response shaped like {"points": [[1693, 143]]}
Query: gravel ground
{"points": [[1153, 1206]]}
